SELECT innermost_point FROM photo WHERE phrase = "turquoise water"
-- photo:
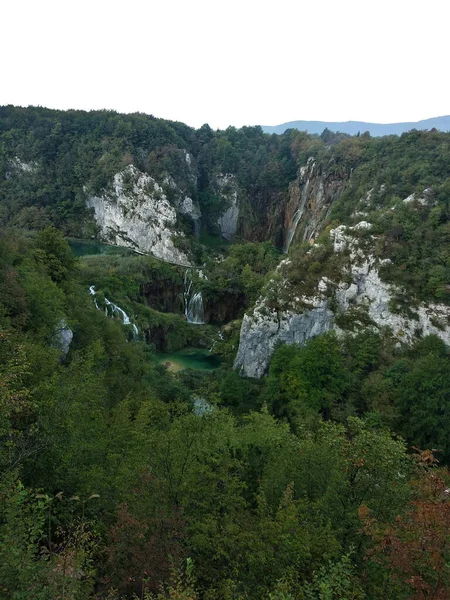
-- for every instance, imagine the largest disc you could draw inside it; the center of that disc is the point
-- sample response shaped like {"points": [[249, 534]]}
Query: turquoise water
{"points": [[189, 358], [94, 248]]}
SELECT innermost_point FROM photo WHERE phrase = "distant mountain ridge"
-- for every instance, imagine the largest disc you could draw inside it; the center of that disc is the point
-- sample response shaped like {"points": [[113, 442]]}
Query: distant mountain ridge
{"points": [[353, 127]]}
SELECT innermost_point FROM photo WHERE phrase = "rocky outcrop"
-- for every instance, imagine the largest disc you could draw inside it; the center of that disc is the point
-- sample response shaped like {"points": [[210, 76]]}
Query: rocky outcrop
{"points": [[63, 338], [157, 335], [16, 165], [262, 330], [184, 203], [368, 291], [135, 212], [282, 216], [228, 221], [302, 318], [188, 207], [310, 198]]}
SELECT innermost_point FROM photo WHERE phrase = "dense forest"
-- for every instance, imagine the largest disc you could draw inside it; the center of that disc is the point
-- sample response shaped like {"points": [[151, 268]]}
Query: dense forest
{"points": [[122, 478]]}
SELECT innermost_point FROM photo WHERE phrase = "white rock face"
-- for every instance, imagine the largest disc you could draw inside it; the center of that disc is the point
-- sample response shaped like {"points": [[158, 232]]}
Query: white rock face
{"points": [[309, 186], [423, 200], [136, 213], [368, 290], [190, 208], [16, 165], [264, 328], [296, 323], [184, 203], [63, 338], [228, 221]]}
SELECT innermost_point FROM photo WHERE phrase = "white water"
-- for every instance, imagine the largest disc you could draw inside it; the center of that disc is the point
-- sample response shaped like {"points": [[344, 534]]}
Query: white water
{"points": [[221, 338], [193, 302], [92, 293], [117, 310], [112, 309]]}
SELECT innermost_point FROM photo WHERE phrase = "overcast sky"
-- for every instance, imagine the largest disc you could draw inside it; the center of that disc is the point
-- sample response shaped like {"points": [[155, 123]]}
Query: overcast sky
{"points": [[230, 63]]}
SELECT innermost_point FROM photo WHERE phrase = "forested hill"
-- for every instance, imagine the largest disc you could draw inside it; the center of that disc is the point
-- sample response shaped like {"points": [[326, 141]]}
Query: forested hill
{"points": [[305, 455], [355, 127], [163, 188]]}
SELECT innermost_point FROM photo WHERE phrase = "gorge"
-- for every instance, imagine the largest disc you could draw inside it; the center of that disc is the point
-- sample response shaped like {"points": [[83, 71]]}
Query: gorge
{"points": [[220, 354]]}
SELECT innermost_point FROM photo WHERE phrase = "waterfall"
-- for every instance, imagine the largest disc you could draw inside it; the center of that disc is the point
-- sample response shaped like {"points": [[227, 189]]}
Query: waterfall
{"points": [[197, 227], [194, 309], [117, 310], [92, 293], [193, 302], [296, 218], [112, 309]]}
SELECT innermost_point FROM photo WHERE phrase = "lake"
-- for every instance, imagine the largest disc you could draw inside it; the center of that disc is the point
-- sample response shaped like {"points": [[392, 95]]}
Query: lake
{"points": [[95, 248], [189, 358]]}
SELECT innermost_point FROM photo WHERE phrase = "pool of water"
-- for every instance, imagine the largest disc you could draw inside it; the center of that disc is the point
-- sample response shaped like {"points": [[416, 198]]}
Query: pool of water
{"points": [[94, 248], [189, 358]]}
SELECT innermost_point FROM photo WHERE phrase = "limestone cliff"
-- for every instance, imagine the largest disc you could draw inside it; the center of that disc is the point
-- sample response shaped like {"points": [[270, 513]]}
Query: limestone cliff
{"points": [[309, 200], [18, 166], [135, 212], [182, 201], [228, 221], [264, 328], [297, 212], [358, 294]]}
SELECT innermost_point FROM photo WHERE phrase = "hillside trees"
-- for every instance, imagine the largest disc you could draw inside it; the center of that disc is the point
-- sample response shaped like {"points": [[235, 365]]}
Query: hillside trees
{"points": [[289, 487]]}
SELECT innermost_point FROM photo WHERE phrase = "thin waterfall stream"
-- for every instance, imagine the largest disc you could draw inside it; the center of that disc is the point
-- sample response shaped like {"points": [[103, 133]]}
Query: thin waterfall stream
{"points": [[112, 309], [296, 217]]}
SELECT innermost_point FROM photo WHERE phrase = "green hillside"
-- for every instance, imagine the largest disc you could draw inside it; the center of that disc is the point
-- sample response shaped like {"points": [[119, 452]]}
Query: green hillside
{"points": [[124, 475]]}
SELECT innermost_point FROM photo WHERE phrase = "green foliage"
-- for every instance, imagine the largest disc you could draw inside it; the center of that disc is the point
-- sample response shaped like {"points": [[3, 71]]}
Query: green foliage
{"points": [[306, 380], [241, 274], [335, 582], [22, 571], [421, 391], [67, 151], [54, 252], [416, 237], [413, 234], [109, 482], [33, 562]]}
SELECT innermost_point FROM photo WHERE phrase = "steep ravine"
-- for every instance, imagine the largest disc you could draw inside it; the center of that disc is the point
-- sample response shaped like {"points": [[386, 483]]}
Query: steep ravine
{"points": [[296, 213], [310, 197]]}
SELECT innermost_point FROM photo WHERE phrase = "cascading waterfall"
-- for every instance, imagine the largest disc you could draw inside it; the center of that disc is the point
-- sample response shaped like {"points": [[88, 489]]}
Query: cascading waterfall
{"points": [[112, 309], [92, 293], [110, 306], [193, 302], [220, 337], [296, 218], [197, 227]]}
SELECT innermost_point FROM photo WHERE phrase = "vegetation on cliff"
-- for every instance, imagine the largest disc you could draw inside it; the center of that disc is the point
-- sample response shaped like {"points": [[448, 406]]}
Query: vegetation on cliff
{"points": [[120, 479], [111, 485]]}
